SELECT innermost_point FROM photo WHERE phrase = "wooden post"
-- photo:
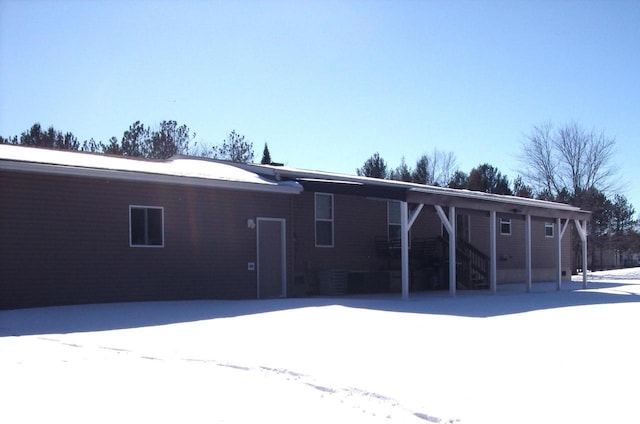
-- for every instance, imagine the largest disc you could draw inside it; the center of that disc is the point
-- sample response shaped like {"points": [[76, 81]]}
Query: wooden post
{"points": [[559, 245], [452, 251], [527, 250], [581, 226], [492, 252], [561, 230], [404, 248], [450, 224]]}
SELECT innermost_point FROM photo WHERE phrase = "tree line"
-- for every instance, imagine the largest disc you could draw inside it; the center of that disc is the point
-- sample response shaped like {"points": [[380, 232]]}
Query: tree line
{"points": [[566, 164], [161, 142]]}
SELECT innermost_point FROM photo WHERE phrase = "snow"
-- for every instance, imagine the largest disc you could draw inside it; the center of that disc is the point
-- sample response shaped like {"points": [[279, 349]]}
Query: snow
{"points": [[188, 167], [515, 357]]}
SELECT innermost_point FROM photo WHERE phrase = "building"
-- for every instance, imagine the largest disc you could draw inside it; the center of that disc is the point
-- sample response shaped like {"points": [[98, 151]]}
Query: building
{"points": [[84, 228]]}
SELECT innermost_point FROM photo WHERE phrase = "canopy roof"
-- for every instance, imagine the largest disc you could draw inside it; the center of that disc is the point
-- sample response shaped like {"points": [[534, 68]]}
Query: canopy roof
{"points": [[419, 193]]}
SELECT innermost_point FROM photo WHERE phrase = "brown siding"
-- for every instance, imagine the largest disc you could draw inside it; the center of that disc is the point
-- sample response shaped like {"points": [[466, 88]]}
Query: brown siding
{"points": [[510, 249], [357, 222], [66, 240]]}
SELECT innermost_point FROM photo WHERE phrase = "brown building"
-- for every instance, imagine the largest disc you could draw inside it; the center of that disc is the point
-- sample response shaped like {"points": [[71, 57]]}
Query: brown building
{"points": [[85, 228]]}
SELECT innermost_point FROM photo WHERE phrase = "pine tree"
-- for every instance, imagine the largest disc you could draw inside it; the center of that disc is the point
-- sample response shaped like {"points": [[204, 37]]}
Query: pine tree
{"points": [[374, 167], [266, 156]]}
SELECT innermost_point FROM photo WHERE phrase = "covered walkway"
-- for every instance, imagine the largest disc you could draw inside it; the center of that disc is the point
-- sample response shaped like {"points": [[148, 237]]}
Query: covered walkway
{"points": [[447, 203]]}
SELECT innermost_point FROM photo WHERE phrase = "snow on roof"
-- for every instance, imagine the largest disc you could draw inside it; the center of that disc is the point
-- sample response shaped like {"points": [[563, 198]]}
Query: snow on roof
{"points": [[197, 171], [202, 171]]}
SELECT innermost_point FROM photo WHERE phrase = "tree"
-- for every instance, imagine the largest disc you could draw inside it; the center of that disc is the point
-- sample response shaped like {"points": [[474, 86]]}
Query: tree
{"points": [[266, 156], [234, 148], [422, 173], [36, 137], [568, 157], [459, 180], [92, 146], [374, 167], [595, 201], [488, 179], [436, 168], [9, 140], [113, 148], [134, 141], [50, 138], [520, 189], [53, 139], [401, 173], [599, 226], [168, 140], [622, 213]]}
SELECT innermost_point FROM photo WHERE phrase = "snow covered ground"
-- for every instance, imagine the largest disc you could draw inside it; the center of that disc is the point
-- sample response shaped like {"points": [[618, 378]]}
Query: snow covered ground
{"points": [[542, 357]]}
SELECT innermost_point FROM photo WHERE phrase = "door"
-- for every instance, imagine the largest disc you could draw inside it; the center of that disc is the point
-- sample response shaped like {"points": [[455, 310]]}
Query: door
{"points": [[271, 266]]}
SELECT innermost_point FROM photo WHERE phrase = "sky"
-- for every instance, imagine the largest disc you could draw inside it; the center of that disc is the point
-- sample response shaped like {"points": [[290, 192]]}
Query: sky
{"points": [[328, 83]]}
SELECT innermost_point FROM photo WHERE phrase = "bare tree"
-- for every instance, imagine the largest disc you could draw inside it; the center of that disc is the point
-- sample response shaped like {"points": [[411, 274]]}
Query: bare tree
{"points": [[444, 166], [436, 168], [538, 159], [567, 158]]}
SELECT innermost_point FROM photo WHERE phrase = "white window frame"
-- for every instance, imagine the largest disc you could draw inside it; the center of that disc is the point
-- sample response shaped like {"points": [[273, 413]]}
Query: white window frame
{"points": [[395, 224], [549, 225], [316, 219], [505, 221], [146, 207]]}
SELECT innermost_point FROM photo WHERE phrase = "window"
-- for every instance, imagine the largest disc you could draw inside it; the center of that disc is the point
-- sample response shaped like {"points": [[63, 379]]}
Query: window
{"points": [[394, 226], [324, 220], [505, 226], [393, 221], [548, 229], [146, 226]]}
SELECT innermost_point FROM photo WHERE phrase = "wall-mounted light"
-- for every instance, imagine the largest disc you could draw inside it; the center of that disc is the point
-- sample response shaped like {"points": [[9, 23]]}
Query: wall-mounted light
{"points": [[251, 223]]}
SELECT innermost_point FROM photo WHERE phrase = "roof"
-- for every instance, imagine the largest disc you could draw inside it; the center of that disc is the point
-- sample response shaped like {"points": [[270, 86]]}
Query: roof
{"points": [[419, 193], [269, 178], [179, 170]]}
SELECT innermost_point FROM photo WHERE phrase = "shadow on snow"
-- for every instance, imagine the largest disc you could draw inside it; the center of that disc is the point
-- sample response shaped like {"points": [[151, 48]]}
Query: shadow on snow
{"points": [[510, 299]]}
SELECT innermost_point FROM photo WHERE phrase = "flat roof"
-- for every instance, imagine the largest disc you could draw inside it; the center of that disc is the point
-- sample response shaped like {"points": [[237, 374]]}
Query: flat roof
{"points": [[419, 193]]}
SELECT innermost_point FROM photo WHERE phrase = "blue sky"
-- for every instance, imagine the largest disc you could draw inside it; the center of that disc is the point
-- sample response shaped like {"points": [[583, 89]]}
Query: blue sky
{"points": [[326, 84]]}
